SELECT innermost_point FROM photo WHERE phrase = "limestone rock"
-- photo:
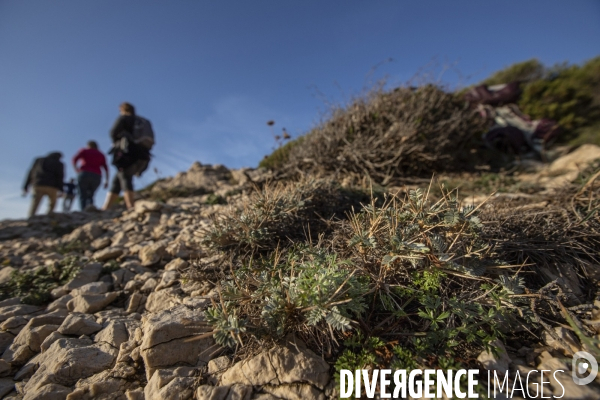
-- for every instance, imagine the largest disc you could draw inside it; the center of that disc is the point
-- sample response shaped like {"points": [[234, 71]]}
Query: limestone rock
{"points": [[91, 303], [50, 391], [162, 300], [143, 206], [169, 278], [59, 304], [109, 253], [5, 274], [114, 334], [229, 392], [6, 339], [51, 338], [152, 254], [294, 392], [177, 264], [136, 303], [17, 310], [68, 360], [168, 335], [293, 363], [91, 288], [560, 380], [149, 285], [493, 362], [171, 384], [37, 329], [100, 243], [89, 273], [6, 386], [14, 324], [567, 337], [121, 277], [79, 324]]}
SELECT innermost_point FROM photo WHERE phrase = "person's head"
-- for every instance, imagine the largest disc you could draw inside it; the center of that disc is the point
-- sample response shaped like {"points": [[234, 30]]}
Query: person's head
{"points": [[127, 109], [92, 145]]}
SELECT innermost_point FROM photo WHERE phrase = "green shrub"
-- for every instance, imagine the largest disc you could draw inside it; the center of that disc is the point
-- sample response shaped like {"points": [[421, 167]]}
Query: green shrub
{"points": [[34, 287]]}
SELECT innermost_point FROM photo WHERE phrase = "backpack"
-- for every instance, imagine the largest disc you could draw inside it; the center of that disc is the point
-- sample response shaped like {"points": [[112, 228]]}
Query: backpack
{"points": [[143, 133]]}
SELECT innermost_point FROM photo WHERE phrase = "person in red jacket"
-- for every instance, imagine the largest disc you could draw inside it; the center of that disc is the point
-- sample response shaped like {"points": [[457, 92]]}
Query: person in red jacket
{"points": [[88, 163]]}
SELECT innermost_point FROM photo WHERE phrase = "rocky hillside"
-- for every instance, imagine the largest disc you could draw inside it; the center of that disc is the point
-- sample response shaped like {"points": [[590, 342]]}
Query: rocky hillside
{"points": [[198, 292]]}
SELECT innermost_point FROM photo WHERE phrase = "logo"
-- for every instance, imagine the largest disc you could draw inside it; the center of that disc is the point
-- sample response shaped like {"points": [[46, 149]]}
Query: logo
{"points": [[582, 362]]}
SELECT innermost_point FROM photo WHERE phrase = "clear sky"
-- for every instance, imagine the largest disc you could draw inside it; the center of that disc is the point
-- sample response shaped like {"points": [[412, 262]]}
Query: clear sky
{"points": [[209, 74]]}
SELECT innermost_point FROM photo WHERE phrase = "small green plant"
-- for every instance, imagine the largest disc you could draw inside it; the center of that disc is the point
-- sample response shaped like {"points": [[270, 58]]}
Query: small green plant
{"points": [[215, 199], [34, 287], [75, 246]]}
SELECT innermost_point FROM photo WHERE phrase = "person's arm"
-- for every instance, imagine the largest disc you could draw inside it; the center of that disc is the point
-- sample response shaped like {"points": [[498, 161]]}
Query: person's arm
{"points": [[28, 178], [76, 159], [106, 172]]}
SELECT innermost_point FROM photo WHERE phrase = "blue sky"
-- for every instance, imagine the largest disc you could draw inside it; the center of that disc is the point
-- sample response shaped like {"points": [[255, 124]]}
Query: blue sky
{"points": [[209, 74]]}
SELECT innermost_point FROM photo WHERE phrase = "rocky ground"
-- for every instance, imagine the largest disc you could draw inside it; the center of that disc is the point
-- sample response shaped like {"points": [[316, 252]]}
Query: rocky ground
{"points": [[129, 324]]}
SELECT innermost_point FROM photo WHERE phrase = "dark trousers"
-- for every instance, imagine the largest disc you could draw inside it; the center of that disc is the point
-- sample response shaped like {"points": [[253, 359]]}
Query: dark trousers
{"points": [[88, 184]]}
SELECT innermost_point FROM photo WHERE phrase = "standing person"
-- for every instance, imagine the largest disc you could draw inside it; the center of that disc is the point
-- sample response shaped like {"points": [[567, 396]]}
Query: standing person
{"points": [[46, 176], [89, 172], [69, 190], [132, 138]]}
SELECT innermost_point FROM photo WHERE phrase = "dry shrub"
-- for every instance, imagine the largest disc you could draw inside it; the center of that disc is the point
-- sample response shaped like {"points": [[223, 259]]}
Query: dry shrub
{"points": [[281, 213], [406, 132], [558, 236]]}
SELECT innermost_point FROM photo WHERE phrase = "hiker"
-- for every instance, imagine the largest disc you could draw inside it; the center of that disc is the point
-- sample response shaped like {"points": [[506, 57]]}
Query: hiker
{"points": [[88, 163], [69, 191], [132, 139], [46, 176]]}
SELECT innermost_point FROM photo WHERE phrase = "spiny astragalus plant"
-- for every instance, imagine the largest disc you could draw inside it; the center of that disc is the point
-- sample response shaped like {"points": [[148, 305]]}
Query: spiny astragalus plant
{"points": [[417, 276]]}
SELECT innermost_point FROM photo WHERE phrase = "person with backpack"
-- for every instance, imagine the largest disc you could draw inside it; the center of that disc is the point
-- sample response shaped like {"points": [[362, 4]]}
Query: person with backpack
{"points": [[89, 163], [132, 137], [46, 176], [69, 191]]}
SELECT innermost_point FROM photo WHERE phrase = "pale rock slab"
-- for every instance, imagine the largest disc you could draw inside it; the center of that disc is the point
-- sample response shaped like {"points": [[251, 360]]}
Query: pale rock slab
{"points": [[114, 334], [294, 392], [293, 363], [100, 243], [5, 274], [89, 273], [162, 300], [109, 253], [177, 264], [79, 324], [229, 392], [60, 303], [7, 385], [50, 391], [6, 339], [37, 329], [91, 288], [14, 324], [174, 337], [564, 380], [493, 362], [18, 310], [68, 360], [152, 254], [89, 304], [143, 206], [171, 384], [168, 279]]}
